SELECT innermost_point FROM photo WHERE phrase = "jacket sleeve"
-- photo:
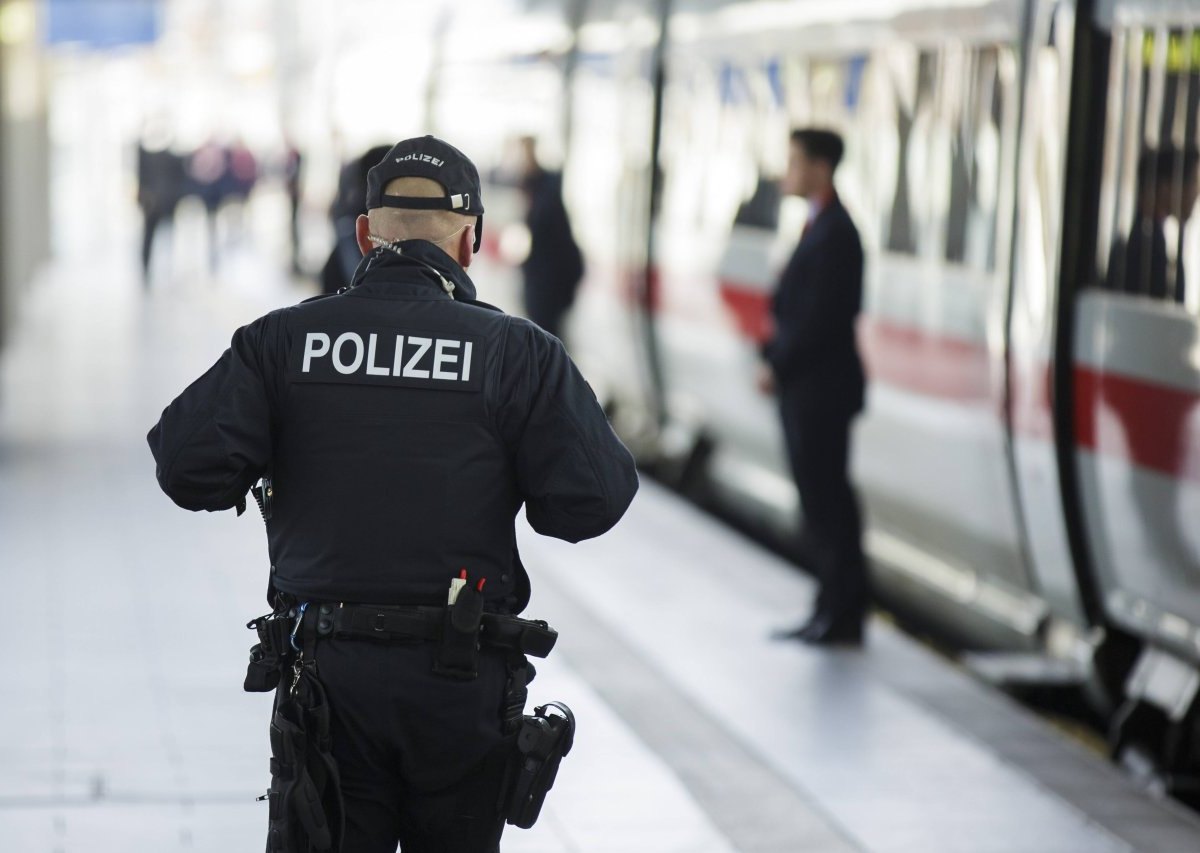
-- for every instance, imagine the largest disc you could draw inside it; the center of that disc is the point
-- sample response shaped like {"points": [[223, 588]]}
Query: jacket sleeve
{"points": [[819, 312], [574, 474], [214, 440]]}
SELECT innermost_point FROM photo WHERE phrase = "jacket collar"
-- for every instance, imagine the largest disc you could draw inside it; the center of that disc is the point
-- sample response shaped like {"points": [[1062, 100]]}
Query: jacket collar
{"points": [[818, 204], [419, 263]]}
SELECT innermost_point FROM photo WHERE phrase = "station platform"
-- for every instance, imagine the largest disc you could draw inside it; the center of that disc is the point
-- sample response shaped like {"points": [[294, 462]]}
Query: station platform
{"points": [[123, 726]]}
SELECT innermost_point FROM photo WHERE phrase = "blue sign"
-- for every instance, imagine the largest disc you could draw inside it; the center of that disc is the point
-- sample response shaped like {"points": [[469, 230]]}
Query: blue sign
{"points": [[103, 23]]}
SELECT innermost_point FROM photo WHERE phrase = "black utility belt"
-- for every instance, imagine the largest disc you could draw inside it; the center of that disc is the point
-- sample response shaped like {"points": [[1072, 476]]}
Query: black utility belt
{"points": [[305, 794], [458, 630], [408, 623]]}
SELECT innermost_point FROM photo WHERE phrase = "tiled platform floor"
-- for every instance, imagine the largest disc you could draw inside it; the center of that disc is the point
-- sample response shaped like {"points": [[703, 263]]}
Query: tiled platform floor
{"points": [[123, 726]]}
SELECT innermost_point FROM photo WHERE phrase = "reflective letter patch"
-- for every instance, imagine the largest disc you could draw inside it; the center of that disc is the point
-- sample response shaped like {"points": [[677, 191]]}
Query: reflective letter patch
{"points": [[386, 357]]}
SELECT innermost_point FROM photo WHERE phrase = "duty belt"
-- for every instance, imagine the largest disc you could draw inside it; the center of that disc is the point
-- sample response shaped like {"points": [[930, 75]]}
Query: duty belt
{"points": [[306, 808], [400, 623]]}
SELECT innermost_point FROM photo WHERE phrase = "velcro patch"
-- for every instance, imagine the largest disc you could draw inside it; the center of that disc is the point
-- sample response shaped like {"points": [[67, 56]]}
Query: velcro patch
{"points": [[404, 358]]}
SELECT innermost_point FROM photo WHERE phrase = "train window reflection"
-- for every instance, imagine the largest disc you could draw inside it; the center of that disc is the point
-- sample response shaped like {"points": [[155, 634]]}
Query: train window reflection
{"points": [[976, 116], [913, 84], [1152, 167], [761, 210]]}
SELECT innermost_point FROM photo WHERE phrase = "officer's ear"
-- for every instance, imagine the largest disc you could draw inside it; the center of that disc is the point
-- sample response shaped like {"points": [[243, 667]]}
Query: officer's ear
{"points": [[466, 246], [362, 227]]}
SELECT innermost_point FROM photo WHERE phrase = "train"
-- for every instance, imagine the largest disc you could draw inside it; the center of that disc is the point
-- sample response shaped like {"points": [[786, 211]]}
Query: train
{"points": [[1029, 457]]}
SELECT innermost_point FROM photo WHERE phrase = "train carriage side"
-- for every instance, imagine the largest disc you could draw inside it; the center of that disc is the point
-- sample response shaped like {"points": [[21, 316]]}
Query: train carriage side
{"points": [[608, 189], [931, 125], [1135, 367]]}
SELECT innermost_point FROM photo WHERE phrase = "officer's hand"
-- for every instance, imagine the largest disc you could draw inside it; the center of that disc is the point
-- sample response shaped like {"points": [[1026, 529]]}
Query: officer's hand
{"points": [[766, 379]]}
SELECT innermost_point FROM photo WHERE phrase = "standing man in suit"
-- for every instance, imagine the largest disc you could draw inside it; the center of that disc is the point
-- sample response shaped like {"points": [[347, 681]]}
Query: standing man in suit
{"points": [[812, 364]]}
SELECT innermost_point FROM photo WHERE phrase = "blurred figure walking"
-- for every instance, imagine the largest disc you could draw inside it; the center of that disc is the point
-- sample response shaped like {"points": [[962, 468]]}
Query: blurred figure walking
{"points": [[812, 363], [160, 176], [240, 180], [208, 169], [554, 267], [293, 163]]}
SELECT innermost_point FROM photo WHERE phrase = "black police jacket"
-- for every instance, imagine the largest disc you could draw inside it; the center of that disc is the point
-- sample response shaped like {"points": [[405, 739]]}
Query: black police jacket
{"points": [[403, 429], [813, 354]]}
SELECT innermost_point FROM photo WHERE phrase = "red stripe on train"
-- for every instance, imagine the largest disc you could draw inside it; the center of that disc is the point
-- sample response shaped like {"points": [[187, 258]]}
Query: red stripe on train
{"points": [[1151, 425], [933, 365], [897, 355], [751, 310]]}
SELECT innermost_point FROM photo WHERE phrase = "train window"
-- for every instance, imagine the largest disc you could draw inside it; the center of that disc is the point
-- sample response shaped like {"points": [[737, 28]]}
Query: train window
{"points": [[975, 92], [1148, 242], [913, 80], [761, 210]]}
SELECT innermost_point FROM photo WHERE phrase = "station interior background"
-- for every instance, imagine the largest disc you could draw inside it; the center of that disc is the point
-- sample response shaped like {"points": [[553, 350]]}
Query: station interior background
{"points": [[84, 82]]}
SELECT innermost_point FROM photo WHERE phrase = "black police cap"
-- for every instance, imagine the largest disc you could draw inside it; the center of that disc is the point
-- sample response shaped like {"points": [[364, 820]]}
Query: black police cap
{"points": [[428, 157]]}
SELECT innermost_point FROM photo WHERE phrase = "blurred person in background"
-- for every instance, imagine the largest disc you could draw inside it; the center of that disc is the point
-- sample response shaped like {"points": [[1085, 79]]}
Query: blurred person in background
{"points": [[403, 425], [812, 364], [161, 180], [554, 267], [291, 168], [349, 204], [240, 180], [208, 172], [1168, 181]]}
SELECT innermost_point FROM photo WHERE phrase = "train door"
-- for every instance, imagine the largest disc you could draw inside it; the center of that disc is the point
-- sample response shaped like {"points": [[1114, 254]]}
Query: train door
{"points": [[717, 252], [1137, 335], [607, 189], [938, 125], [1032, 319]]}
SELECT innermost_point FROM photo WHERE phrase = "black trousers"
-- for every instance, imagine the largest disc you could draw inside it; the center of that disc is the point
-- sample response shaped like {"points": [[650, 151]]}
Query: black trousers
{"points": [[818, 444], [421, 757], [153, 220]]}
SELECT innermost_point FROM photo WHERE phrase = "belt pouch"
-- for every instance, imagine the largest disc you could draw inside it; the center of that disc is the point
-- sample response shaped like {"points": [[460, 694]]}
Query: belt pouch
{"points": [[458, 647], [267, 656], [262, 674]]}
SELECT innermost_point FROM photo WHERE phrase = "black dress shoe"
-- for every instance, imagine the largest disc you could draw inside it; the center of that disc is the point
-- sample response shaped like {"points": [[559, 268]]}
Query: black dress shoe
{"points": [[833, 631], [825, 630], [801, 631], [797, 633]]}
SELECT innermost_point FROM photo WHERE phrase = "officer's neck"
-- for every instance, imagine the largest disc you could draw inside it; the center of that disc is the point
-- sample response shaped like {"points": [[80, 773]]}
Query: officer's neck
{"points": [[420, 254]]}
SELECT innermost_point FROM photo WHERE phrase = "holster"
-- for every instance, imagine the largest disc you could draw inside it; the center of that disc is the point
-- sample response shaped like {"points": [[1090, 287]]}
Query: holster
{"points": [[541, 743], [271, 655], [305, 800]]}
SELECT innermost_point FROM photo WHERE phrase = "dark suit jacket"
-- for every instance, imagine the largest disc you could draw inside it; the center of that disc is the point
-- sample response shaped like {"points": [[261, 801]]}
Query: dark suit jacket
{"points": [[554, 267], [814, 353]]}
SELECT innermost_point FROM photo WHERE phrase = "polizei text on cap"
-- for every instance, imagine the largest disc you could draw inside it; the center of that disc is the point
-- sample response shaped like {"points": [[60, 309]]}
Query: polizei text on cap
{"points": [[421, 158]]}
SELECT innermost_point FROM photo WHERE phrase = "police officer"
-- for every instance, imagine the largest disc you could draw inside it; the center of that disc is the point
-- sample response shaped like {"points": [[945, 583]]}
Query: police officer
{"points": [[402, 425]]}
